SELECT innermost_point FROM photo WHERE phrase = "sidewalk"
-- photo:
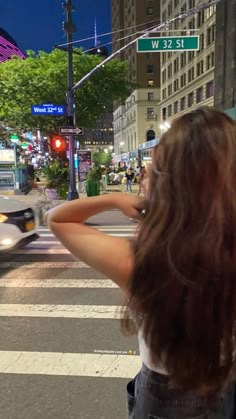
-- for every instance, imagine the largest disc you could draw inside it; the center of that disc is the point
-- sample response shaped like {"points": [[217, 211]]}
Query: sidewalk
{"points": [[36, 195]]}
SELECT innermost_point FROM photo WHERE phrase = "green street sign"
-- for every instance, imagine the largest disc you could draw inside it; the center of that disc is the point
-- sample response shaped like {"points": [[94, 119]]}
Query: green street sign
{"points": [[14, 138], [24, 146], [169, 43]]}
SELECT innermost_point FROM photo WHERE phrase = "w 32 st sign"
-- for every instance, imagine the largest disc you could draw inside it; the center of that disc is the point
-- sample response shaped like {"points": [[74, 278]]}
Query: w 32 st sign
{"points": [[47, 110], [171, 43]]}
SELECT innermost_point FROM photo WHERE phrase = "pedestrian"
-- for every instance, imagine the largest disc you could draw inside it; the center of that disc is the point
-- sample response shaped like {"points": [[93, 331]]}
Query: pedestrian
{"points": [[179, 274], [142, 181], [129, 178]]}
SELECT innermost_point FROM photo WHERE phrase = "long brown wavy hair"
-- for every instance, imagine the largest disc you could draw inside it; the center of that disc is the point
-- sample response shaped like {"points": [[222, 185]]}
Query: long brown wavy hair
{"points": [[184, 280]]}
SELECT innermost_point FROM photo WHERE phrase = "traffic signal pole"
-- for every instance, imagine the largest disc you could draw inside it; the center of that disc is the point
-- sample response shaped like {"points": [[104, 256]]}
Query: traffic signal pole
{"points": [[69, 29]]}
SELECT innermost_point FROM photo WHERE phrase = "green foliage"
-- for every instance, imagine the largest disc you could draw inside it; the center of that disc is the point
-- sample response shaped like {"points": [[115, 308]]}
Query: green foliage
{"points": [[57, 177], [51, 184], [63, 189], [42, 78], [95, 174], [100, 158]]}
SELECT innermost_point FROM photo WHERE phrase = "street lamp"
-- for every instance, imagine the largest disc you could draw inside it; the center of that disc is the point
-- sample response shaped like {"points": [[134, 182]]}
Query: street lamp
{"points": [[165, 126], [121, 145], [15, 141]]}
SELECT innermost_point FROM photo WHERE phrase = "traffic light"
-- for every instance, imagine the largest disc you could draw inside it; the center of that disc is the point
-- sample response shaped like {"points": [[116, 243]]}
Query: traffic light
{"points": [[58, 144]]}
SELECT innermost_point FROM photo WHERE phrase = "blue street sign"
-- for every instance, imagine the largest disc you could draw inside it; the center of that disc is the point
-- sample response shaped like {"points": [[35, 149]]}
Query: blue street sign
{"points": [[47, 109]]}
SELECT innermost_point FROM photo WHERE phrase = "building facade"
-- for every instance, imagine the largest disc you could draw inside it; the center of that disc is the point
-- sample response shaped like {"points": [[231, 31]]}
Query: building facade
{"points": [[225, 71], [8, 47], [101, 135], [138, 118], [187, 78]]}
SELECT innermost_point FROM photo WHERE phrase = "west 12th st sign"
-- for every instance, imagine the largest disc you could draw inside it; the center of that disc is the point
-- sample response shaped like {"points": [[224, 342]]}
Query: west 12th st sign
{"points": [[173, 43]]}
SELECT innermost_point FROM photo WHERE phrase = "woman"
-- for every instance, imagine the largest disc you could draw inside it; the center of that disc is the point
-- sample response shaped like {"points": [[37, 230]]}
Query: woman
{"points": [[129, 178], [142, 181], [179, 275]]}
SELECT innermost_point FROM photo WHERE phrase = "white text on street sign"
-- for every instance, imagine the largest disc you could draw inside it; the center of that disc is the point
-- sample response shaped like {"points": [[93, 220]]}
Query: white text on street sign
{"points": [[47, 109], [171, 43]]}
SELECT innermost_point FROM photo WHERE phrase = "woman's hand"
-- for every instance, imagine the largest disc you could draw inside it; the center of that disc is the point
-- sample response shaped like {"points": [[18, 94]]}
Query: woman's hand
{"points": [[130, 205]]}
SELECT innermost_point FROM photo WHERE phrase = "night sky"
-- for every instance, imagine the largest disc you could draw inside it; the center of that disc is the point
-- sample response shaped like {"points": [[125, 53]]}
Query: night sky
{"points": [[37, 24]]}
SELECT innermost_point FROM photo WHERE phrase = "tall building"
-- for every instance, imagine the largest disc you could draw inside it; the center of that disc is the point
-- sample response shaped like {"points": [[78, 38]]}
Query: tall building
{"points": [[101, 134], [187, 78], [8, 47], [96, 49], [225, 71], [136, 120]]}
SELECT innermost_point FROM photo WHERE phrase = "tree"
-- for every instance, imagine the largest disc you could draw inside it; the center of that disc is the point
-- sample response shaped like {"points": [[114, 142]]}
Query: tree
{"points": [[101, 158], [42, 78]]}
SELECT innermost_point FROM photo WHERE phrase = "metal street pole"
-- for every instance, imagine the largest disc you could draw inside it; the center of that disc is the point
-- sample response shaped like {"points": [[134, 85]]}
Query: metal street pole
{"points": [[69, 29]]}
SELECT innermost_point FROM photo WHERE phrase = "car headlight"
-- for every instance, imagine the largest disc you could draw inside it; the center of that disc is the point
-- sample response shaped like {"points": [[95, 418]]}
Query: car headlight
{"points": [[3, 218]]}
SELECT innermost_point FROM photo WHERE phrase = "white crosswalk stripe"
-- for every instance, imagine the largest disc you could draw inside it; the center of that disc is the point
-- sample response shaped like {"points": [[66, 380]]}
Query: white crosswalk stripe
{"points": [[56, 283], [53, 246], [90, 365], [60, 311], [42, 265], [102, 362]]}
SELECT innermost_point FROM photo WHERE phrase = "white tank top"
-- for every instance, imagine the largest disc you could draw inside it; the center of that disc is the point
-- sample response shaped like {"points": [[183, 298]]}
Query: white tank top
{"points": [[145, 355]]}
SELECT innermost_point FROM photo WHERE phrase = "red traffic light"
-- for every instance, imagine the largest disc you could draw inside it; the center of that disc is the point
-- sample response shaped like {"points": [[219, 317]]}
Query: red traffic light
{"points": [[58, 144]]}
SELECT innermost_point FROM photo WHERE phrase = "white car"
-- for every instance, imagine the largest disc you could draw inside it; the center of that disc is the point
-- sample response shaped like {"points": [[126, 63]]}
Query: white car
{"points": [[17, 224]]}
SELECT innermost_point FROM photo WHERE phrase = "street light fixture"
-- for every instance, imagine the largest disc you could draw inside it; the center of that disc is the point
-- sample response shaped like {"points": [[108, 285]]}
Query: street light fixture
{"points": [[121, 146], [165, 126]]}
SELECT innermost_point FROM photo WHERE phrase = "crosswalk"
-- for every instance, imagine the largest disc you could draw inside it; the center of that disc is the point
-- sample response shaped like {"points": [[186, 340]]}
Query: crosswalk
{"points": [[61, 347]]}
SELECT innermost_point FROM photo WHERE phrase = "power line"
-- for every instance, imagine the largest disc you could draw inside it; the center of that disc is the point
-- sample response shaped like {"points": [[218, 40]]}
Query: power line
{"points": [[211, 3], [159, 28], [134, 34], [111, 33], [121, 39]]}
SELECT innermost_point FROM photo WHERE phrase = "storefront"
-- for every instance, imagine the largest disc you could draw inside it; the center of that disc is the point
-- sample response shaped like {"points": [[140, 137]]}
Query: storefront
{"points": [[116, 160], [133, 158], [7, 171], [145, 152]]}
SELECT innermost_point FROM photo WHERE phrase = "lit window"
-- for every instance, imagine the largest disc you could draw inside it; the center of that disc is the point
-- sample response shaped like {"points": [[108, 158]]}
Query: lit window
{"points": [[150, 112]]}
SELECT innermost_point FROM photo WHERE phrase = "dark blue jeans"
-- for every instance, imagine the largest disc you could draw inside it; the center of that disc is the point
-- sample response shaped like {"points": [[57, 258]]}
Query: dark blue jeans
{"points": [[149, 397]]}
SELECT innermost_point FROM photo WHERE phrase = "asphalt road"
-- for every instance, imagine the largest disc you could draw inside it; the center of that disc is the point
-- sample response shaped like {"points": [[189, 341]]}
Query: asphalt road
{"points": [[62, 353]]}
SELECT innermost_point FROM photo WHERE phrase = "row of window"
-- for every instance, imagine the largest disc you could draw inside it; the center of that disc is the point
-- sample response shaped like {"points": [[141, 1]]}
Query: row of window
{"points": [[202, 16], [206, 39], [98, 142], [9, 46], [174, 68], [188, 101]]}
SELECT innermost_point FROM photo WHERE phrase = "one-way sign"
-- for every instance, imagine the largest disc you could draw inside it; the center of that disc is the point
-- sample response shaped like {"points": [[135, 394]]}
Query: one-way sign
{"points": [[71, 130]]}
